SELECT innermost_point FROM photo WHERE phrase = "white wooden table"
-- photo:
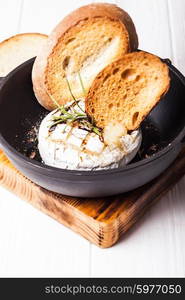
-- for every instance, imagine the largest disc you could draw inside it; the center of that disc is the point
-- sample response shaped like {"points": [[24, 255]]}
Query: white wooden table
{"points": [[31, 243]]}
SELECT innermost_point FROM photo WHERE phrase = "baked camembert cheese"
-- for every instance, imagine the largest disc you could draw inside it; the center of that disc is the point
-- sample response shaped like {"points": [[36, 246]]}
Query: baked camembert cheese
{"points": [[69, 140]]}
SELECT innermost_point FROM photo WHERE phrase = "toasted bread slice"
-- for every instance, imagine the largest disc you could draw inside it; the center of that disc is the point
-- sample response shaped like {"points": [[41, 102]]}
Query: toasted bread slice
{"points": [[18, 49], [83, 43], [127, 90]]}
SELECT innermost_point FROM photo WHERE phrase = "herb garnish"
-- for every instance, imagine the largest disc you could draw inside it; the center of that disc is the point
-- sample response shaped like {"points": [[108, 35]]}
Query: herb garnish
{"points": [[69, 87], [65, 117], [72, 116], [87, 125], [82, 85]]}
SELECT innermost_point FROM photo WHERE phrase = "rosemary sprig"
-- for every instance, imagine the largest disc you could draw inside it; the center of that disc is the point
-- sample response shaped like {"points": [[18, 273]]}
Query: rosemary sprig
{"points": [[71, 116], [87, 125], [63, 109], [68, 116], [96, 130], [83, 120], [82, 85], [53, 99], [72, 95]]}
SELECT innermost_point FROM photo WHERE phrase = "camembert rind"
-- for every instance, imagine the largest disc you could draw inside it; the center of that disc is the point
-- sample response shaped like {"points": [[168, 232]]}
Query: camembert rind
{"points": [[70, 147]]}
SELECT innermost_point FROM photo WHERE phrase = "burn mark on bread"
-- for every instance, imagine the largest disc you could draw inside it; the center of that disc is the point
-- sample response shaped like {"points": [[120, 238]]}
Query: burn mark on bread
{"points": [[65, 63], [135, 117], [115, 71], [106, 77], [70, 40]]}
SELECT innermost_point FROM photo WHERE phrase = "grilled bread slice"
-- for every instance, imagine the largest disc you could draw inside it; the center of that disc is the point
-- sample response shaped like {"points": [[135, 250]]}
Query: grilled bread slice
{"points": [[124, 93], [19, 48], [82, 44]]}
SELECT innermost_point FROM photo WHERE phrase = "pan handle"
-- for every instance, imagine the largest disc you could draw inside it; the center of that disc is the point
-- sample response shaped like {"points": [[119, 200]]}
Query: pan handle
{"points": [[169, 63]]}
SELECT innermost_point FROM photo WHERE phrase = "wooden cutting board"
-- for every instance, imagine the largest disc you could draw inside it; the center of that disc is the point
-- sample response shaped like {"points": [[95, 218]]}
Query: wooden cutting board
{"points": [[102, 221]]}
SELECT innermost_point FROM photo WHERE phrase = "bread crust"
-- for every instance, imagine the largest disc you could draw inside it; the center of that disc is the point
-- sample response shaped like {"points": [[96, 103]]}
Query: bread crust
{"points": [[16, 36], [14, 51], [89, 11]]}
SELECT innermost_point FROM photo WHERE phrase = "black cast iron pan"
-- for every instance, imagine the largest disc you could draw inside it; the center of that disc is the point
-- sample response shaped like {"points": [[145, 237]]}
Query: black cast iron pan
{"points": [[163, 132]]}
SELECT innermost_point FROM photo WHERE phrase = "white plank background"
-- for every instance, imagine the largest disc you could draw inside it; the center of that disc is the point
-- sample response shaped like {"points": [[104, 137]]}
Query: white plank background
{"points": [[32, 244]]}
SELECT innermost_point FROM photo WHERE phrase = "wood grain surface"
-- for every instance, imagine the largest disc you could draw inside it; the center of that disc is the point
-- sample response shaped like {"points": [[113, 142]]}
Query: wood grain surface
{"points": [[102, 220]]}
